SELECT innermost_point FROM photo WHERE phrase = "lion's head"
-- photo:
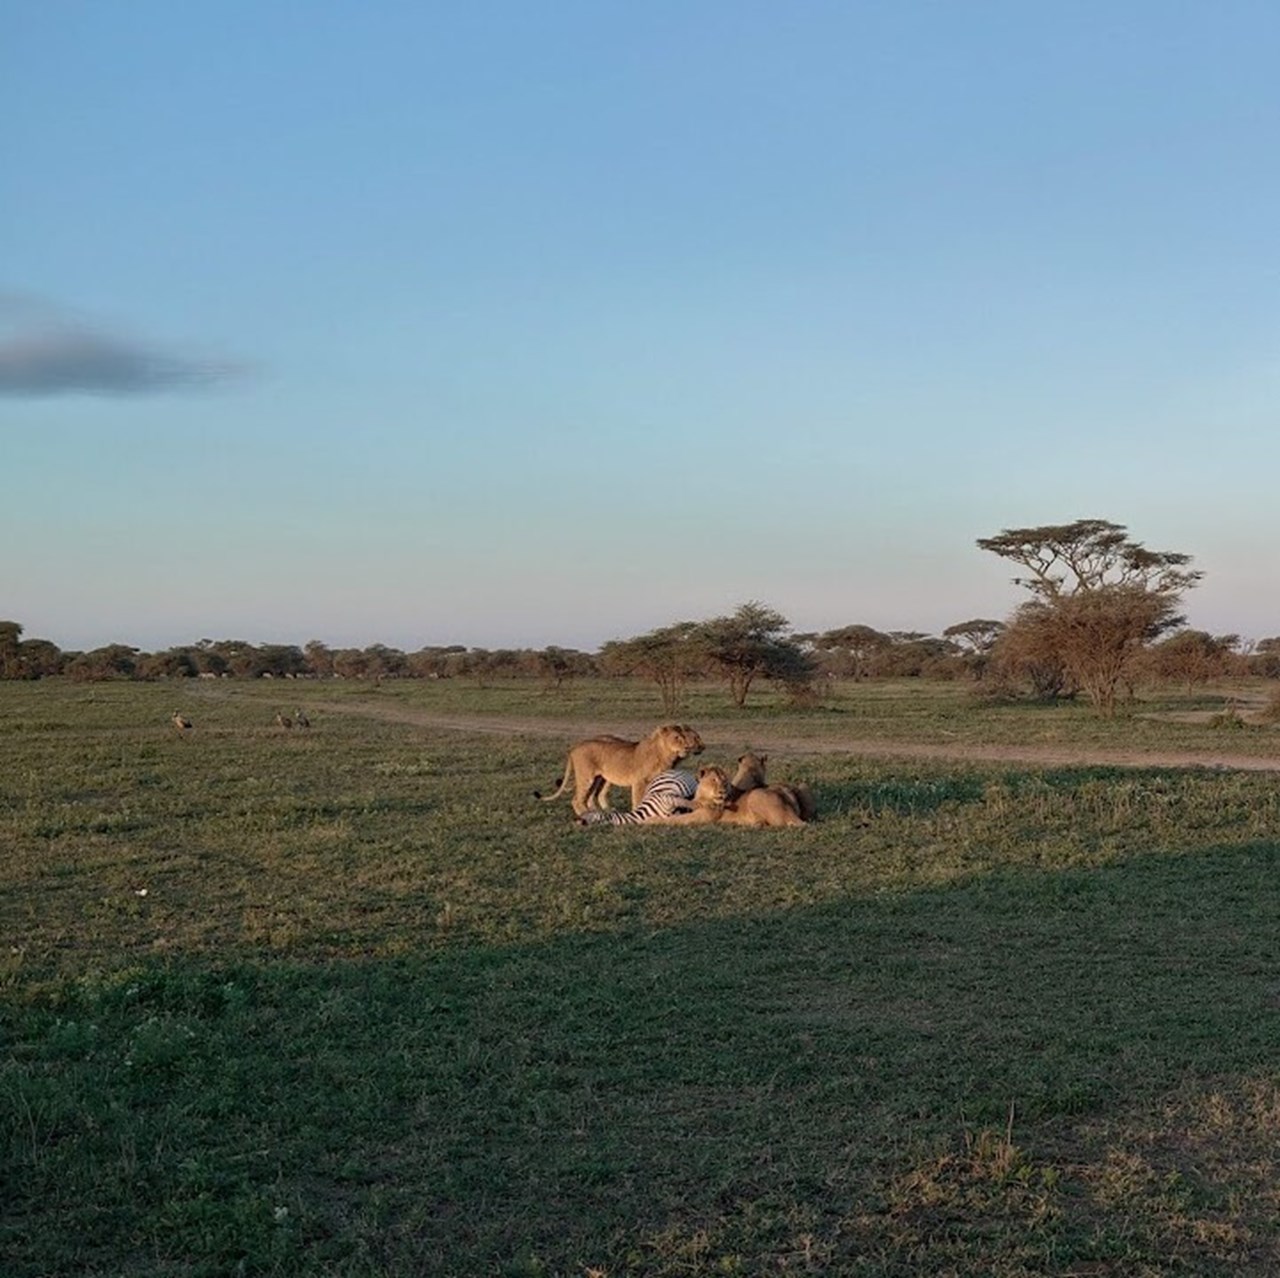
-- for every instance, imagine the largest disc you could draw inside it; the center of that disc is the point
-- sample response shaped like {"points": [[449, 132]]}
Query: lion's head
{"points": [[713, 787], [679, 740], [750, 773]]}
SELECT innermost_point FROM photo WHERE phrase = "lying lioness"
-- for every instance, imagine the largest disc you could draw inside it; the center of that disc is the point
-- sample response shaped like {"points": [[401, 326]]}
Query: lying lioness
{"points": [[750, 777], [599, 762], [717, 802]]}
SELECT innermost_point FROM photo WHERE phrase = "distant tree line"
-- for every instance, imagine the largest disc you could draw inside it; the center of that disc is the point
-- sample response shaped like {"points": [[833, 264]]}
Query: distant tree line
{"points": [[1102, 618]]}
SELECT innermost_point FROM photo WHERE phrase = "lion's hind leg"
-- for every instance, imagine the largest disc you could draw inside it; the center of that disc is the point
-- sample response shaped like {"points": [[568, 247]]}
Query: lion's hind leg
{"points": [[596, 796], [805, 801]]}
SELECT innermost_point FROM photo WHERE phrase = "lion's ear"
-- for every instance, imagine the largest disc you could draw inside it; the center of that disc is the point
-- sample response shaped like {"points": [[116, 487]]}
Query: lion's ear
{"points": [[702, 772], [764, 758]]}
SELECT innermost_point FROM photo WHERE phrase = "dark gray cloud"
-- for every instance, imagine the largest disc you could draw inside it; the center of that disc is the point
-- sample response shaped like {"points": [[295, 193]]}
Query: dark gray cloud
{"points": [[42, 352]]}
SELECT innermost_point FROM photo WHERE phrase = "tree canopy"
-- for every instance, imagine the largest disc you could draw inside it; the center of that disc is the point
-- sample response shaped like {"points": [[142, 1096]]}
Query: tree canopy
{"points": [[751, 643], [669, 656], [1098, 598], [1089, 554]]}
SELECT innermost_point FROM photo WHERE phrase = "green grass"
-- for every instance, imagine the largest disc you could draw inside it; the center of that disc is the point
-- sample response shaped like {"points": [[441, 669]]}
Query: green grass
{"points": [[350, 1002]]}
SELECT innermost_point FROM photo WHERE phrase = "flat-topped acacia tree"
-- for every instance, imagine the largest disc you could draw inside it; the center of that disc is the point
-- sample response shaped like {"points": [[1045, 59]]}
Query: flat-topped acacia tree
{"points": [[1098, 597], [752, 643], [1089, 554]]}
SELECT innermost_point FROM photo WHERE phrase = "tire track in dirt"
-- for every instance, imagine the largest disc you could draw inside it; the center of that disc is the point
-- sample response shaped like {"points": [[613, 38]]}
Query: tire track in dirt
{"points": [[568, 731]]}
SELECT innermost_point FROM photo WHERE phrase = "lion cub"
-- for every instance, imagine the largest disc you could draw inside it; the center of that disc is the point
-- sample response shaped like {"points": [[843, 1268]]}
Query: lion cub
{"points": [[599, 762]]}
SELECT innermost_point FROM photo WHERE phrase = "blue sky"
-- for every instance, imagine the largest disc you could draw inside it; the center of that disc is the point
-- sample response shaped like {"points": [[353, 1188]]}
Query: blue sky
{"points": [[348, 320]]}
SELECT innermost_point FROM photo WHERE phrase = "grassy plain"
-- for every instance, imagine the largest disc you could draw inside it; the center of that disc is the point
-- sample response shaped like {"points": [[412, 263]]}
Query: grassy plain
{"points": [[349, 1002]]}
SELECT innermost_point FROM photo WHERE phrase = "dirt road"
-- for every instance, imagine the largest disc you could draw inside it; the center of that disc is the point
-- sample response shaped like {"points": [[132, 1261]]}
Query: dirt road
{"points": [[566, 731]]}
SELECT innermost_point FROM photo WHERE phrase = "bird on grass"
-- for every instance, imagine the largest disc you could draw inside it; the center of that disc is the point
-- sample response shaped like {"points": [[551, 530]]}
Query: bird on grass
{"points": [[181, 722], [283, 720], [300, 720]]}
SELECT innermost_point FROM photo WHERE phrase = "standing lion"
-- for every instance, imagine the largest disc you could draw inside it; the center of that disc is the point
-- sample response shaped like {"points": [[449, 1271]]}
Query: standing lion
{"points": [[599, 762]]}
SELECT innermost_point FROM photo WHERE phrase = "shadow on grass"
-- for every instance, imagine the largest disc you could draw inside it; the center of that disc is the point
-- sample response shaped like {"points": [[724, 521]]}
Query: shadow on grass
{"points": [[907, 796], [928, 792], [646, 1102]]}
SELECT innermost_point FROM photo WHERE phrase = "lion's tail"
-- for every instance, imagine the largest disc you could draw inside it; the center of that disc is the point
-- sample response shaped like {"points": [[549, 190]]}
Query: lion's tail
{"points": [[562, 786]]}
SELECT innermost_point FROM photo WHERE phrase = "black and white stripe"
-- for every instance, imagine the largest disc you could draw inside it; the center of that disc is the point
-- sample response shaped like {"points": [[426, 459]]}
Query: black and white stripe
{"points": [[667, 794]]}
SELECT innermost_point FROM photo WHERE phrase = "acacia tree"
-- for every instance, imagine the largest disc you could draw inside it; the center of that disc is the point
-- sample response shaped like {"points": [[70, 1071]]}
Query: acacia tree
{"points": [[1089, 554], [912, 653], [667, 655], [436, 662], [555, 666], [1266, 658], [172, 663], [382, 662], [977, 638], [38, 658], [751, 643], [281, 659], [319, 658], [1099, 598], [27, 658], [208, 660], [1192, 656], [1028, 649], [10, 643], [243, 660], [1101, 633], [115, 661], [850, 648]]}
